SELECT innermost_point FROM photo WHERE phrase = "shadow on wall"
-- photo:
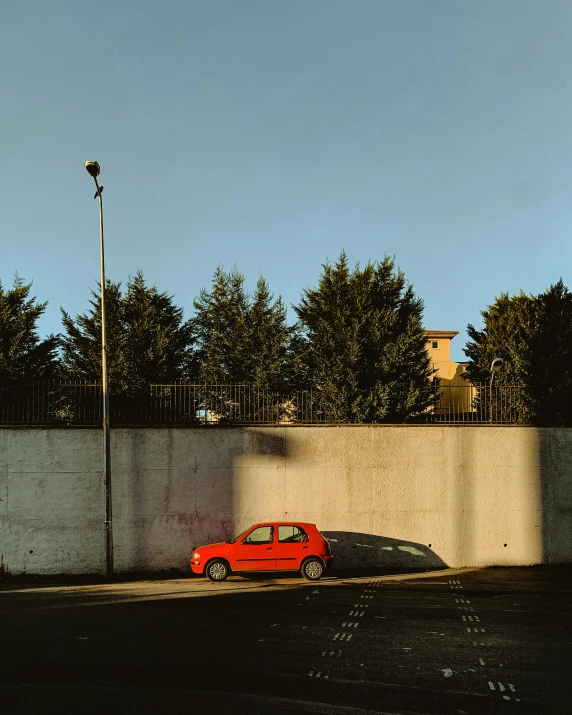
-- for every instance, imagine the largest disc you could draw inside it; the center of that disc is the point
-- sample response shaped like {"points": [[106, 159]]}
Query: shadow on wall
{"points": [[555, 464], [352, 550], [181, 489]]}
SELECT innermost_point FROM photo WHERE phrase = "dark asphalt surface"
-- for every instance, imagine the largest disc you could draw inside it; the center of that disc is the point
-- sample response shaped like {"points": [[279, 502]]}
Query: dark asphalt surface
{"points": [[463, 642]]}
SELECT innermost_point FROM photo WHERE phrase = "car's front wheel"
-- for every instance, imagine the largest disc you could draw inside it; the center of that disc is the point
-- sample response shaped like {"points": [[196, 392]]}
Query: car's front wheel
{"points": [[312, 569], [217, 570]]}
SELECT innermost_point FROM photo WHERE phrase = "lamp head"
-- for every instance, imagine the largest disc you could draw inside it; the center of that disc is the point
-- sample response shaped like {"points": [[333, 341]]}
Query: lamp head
{"points": [[496, 364], [92, 168]]}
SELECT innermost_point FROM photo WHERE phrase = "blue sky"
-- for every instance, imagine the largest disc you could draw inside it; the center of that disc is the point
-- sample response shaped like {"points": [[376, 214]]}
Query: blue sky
{"points": [[272, 134]]}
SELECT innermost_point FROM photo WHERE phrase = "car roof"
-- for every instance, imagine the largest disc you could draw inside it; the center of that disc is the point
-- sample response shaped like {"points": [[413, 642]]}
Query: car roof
{"points": [[288, 522]]}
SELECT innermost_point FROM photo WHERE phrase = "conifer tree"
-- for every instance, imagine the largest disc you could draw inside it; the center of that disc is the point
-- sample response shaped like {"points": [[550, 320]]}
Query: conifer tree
{"points": [[24, 357], [241, 339], [364, 344], [533, 335], [148, 340]]}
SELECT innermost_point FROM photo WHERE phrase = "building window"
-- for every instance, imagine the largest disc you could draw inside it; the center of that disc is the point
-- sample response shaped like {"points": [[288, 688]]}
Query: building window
{"points": [[435, 344]]}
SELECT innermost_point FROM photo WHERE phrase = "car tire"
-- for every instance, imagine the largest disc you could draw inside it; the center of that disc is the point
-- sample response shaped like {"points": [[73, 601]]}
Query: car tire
{"points": [[217, 570], [312, 569]]}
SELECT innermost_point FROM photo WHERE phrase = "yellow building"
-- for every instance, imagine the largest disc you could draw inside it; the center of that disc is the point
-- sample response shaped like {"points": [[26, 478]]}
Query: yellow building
{"points": [[457, 393], [439, 349]]}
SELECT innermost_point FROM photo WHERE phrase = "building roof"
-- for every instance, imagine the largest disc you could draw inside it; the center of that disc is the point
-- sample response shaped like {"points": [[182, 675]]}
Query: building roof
{"points": [[442, 334]]}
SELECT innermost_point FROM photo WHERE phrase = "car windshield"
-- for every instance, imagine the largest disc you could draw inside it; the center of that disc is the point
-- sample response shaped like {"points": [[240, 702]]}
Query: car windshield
{"points": [[236, 538]]}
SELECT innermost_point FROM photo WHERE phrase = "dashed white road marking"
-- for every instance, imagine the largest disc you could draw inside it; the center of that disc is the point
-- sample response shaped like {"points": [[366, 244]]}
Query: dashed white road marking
{"points": [[501, 687], [318, 675]]}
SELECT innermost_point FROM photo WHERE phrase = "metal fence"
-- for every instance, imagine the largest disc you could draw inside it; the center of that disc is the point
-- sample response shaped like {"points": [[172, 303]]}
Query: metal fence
{"points": [[52, 402], [79, 403], [479, 404]]}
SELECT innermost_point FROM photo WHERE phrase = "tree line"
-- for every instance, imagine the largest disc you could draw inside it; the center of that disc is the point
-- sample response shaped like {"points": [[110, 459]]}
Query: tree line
{"points": [[358, 340]]}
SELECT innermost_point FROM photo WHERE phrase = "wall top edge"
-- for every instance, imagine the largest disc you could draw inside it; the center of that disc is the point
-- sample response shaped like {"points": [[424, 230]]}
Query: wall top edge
{"points": [[78, 428]]}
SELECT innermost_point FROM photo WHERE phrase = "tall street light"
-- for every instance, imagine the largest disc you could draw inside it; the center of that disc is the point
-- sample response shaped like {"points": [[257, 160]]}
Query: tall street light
{"points": [[93, 170]]}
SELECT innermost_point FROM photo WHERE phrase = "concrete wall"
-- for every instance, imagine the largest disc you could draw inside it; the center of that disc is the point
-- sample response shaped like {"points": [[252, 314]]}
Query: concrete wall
{"points": [[408, 496]]}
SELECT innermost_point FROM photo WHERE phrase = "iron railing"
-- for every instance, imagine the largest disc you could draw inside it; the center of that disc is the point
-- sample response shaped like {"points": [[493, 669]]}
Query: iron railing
{"points": [[52, 402], [80, 404], [479, 404]]}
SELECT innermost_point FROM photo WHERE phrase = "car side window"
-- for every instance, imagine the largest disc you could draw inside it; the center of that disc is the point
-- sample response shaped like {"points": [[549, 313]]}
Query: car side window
{"points": [[291, 534], [260, 535]]}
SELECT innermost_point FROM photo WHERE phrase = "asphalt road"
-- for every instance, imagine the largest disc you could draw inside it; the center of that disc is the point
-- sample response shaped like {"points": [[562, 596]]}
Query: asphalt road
{"points": [[470, 641]]}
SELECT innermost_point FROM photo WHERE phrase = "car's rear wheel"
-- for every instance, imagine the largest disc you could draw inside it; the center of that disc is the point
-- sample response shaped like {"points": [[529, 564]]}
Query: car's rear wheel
{"points": [[312, 569], [217, 570]]}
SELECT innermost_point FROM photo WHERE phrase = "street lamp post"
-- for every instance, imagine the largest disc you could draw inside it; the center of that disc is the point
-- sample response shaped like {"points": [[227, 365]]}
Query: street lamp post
{"points": [[93, 170], [495, 367]]}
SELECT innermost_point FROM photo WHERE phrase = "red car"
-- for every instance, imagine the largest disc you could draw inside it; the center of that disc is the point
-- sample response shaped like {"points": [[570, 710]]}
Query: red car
{"points": [[271, 546]]}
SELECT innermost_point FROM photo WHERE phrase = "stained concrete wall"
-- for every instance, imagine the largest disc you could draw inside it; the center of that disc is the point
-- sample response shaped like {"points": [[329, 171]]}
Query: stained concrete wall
{"points": [[408, 496]]}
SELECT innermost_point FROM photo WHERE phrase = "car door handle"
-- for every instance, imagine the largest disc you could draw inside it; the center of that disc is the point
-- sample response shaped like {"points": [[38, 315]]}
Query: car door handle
{"points": [[304, 547], [269, 548]]}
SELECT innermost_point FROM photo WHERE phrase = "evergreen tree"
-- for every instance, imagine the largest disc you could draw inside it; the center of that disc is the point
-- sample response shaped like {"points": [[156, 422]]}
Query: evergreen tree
{"points": [[147, 339], [241, 339], [364, 344], [504, 335], [23, 356], [533, 335], [270, 339]]}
